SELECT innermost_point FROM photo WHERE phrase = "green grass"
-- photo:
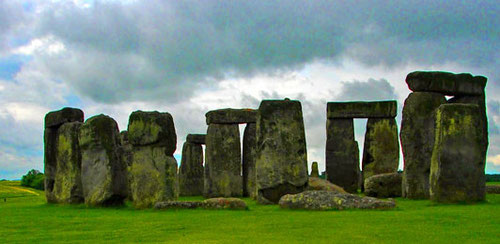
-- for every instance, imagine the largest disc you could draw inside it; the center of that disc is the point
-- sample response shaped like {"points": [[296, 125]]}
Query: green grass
{"points": [[25, 218], [492, 183]]}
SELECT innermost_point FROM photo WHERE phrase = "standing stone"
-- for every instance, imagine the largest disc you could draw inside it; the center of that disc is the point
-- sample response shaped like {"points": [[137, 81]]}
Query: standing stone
{"points": [[104, 175], [342, 154], [314, 170], [154, 169], [62, 160], [281, 162], [417, 141], [381, 150], [223, 161], [191, 170], [126, 154], [458, 159], [383, 185], [249, 152]]}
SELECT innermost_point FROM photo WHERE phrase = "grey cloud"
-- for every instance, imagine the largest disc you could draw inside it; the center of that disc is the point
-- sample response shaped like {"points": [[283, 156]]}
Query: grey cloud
{"points": [[11, 19], [493, 111], [366, 90]]}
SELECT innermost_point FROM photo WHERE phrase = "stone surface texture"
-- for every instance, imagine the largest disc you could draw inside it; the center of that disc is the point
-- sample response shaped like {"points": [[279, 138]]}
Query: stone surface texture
{"points": [[314, 170], [231, 116], [196, 138], [318, 184], [446, 83], [248, 160], [349, 110], [328, 200], [383, 185], [191, 170]]}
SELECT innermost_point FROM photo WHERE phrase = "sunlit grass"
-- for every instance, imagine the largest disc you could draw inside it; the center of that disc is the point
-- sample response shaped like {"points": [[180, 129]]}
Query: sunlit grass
{"points": [[27, 218]]}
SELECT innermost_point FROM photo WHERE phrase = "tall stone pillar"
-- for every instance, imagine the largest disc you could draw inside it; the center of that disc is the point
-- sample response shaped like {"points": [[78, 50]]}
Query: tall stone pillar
{"points": [[191, 170], [249, 153]]}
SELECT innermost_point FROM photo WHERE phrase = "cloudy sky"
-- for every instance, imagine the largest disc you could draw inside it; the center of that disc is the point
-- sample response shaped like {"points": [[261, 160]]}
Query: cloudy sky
{"points": [[189, 57]]}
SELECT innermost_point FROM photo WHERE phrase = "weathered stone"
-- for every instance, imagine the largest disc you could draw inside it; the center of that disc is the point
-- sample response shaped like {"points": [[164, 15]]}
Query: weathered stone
{"points": [[348, 110], [342, 154], [66, 183], [381, 150], [417, 141], [191, 170], [196, 138], [328, 200], [249, 153], [231, 116], [224, 203], [314, 170], [281, 161], [458, 159], [126, 154], [493, 189], [446, 83], [65, 115], [147, 128], [223, 161], [384, 185], [318, 184], [153, 176], [104, 176], [178, 205]]}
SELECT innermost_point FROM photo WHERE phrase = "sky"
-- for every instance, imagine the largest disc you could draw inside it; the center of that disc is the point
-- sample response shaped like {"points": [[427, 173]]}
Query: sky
{"points": [[189, 57]]}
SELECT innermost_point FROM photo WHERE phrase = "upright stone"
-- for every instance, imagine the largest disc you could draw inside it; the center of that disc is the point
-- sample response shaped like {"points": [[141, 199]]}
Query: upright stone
{"points": [[342, 154], [458, 159], [314, 170], [154, 169], [223, 161], [281, 162], [381, 150], [191, 170], [127, 154], [249, 153], [104, 175], [417, 141], [62, 160]]}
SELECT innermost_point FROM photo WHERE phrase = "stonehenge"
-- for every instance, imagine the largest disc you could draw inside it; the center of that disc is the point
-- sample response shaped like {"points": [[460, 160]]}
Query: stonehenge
{"points": [[381, 150], [444, 144], [281, 161], [420, 133]]}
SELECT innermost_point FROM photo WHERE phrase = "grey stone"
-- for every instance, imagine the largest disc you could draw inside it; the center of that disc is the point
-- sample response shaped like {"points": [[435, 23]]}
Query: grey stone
{"points": [[446, 83], [318, 184], [417, 141], [178, 205], [381, 149], [314, 170], [196, 138], [347, 110], [383, 185], [458, 159], [493, 189], [328, 200], [55, 119], [223, 161], [231, 116], [148, 128], [281, 162], [104, 176], [224, 203], [191, 170], [342, 154], [65, 175], [249, 153]]}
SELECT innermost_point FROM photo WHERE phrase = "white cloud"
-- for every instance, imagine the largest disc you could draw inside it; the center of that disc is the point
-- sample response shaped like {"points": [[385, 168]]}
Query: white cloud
{"points": [[45, 44], [495, 159]]}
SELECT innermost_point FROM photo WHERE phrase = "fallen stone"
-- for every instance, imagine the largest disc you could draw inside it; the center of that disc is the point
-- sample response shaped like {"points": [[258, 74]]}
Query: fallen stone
{"points": [[349, 110], [446, 83], [147, 128], [191, 170], [281, 161], [66, 185], [178, 205], [314, 170], [318, 184], [65, 115], [493, 189], [196, 138], [458, 160], [328, 200], [383, 185], [248, 160], [104, 174], [381, 149], [224, 203], [231, 116], [342, 154], [417, 141], [223, 161]]}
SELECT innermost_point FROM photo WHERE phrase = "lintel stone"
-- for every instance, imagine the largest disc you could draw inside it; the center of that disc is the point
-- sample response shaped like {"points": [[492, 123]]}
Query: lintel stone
{"points": [[446, 83], [378, 109], [231, 116], [196, 138]]}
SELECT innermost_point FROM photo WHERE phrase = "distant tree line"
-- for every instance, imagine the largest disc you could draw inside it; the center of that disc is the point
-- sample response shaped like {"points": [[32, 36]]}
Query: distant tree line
{"points": [[492, 177], [33, 179]]}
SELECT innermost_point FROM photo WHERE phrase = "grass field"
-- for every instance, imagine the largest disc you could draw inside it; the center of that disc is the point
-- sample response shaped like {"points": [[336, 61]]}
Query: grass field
{"points": [[26, 218]]}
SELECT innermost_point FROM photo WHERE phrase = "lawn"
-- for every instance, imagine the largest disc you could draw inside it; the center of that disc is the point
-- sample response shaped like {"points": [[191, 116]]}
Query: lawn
{"points": [[25, 217]]}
